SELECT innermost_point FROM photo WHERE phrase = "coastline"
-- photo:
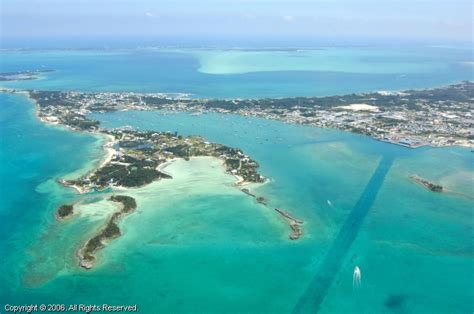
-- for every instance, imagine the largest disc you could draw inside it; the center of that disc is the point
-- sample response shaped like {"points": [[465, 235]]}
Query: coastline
{"points": [[107, 146]]}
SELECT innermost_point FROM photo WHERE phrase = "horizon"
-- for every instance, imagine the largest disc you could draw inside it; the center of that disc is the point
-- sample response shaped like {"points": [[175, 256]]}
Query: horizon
{"points": [[224, 42], [234, 22]]}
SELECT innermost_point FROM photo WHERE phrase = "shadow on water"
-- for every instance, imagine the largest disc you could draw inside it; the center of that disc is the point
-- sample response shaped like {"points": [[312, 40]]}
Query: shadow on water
{"points": [[315, 293]]}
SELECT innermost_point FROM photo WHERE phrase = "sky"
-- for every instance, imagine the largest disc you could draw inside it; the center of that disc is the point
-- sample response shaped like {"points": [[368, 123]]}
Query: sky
{"points": [[409, 19]]}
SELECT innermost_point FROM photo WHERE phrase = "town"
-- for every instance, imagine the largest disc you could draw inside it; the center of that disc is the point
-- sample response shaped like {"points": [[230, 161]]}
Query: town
{"points": [[435, 117]]}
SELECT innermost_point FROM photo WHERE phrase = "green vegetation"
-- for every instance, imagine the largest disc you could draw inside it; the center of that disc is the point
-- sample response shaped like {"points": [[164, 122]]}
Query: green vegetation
{"points": [[108, 232], [140, 154], [133, 173], [430, 186], [129, 203], [65, 211], [111, 231]]}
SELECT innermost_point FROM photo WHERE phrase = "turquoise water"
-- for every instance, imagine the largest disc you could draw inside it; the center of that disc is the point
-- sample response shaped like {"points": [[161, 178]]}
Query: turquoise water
{"points": [[244, 73], [378, 219], [32, 156], [196, 244]]}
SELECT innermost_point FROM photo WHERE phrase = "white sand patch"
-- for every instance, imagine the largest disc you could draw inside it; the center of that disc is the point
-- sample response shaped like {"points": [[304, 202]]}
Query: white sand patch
{"points": [[199, 175], [100, 210], [360, 107]]}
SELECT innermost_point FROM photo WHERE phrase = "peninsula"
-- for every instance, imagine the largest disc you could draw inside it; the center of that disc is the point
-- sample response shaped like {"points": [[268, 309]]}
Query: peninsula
{"points": [[135, 159]]}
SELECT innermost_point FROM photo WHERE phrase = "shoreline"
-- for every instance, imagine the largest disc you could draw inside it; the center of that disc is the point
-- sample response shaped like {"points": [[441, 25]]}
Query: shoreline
{"points": [[107, 146], [126, 205], [462, 144], [110, 152]]}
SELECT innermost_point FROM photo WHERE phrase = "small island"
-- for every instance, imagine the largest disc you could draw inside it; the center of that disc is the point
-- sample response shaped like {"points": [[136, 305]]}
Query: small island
{"points": [[109, 232], [22, 75], [64, 212], [430, 186]]}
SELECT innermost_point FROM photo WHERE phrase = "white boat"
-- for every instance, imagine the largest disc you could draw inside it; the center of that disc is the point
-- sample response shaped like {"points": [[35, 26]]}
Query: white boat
{"points": [[356, 277]]}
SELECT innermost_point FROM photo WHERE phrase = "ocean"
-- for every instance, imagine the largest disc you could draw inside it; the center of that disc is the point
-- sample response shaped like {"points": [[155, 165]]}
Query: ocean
{"points": [[243, 73], [196, 244]]}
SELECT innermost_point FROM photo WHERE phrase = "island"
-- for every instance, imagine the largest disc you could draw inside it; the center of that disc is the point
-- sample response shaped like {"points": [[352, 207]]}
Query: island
{"points": [[430, 186], [108, 232], [22, 75], [64, 212]]}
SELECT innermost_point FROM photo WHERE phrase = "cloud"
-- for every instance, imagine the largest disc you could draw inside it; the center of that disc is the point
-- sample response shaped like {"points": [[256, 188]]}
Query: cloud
{"points": [[288, 18], [149, 14]]}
